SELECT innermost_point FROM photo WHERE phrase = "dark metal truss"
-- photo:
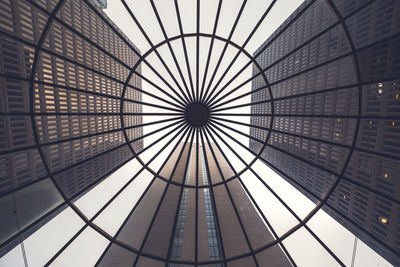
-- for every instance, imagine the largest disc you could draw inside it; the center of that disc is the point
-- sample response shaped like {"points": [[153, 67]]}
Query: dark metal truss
{"points": [[217, 131]]}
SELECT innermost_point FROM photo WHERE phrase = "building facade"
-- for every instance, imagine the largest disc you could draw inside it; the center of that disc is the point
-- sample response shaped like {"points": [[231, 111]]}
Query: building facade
{"points": [[59, 113], [334, 72], [194, 225], [101, 3]]}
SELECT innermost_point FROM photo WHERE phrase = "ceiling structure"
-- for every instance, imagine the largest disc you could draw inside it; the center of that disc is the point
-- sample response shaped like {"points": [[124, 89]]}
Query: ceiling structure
{"points": [[206, 93]]}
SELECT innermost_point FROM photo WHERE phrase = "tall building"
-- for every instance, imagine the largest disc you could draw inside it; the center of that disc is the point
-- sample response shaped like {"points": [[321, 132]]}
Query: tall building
{"points": [[60, 124], [204, 224], [101, 3], [334, 72]]}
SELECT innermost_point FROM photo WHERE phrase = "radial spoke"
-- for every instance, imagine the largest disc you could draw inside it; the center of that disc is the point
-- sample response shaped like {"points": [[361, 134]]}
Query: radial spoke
{"points": [[267, 86], [119, 146], [260, 72], [90, 222], [86, 136], [214, 206], [163, 195], [243, 105], [285, 115], [99, 72], [187, 94], [180, 102], [271, 41], [180, 109], [259, 209], [228, 190], [303, 160], [75, 115], [214, 108], [293, 213], [153, 105], [196, 217], [197, 48], [124, 39], [338, 116], [156, 131], [213, 119], [95, 44], [269, 164], [184, 48], [307, 190], [212, 97], [304, 137], [158, 55], [173, 232], [206, 94], [95, 114], [210, 49]]}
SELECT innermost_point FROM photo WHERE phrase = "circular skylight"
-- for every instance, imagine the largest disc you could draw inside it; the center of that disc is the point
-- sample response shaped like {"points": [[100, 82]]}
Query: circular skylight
{"points": [[201, 133]]}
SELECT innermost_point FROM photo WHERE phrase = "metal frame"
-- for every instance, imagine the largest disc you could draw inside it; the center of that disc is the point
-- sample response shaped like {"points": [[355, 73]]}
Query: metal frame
{"points": [[215, 131]]}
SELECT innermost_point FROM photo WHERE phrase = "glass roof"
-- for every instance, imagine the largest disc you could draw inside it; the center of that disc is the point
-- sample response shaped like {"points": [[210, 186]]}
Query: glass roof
{"points": [[200, 133]]}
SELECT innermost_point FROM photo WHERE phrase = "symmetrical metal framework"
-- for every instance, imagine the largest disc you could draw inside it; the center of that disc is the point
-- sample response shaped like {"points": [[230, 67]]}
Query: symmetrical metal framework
{"points": [[190, 103]]}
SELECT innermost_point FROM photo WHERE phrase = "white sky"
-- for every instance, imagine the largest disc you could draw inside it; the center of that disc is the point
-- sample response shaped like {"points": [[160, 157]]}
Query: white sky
{"points": [[86, 249]]}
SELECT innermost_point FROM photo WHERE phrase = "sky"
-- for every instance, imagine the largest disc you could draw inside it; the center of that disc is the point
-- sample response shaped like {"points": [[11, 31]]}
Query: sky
{"points": [[89, 245]]}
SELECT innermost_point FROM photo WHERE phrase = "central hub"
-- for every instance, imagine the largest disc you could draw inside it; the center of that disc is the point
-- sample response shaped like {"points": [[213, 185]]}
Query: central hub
{"points": [[197, 114]]}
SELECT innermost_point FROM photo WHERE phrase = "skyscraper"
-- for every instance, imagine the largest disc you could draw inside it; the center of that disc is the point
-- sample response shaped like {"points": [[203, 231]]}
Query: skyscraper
{"points": [[333, 70], [60, 125], [84, 185], [188, 223], [102, 3]]}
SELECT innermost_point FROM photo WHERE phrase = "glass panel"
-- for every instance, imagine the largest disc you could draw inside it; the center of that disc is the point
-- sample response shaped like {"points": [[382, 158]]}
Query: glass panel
{"points": [[256, 229], [145, 262], [313, 254], [249, 19], [373, 171], [273, 256], [303, 176], [85, 250], [233, 239], [19, 125], [365, 256], [370, 216], [248, 261], [19, 169], [380, 14], [41, 246], [8, 224], [295, 199], [77, 179], [159, 236], [313, 99], [277, 215], [112, 217], [13, 258], [117, 256], [36, 200], [301, 151], [166, 171], [92, 201], [375, 62], [335, 74], [315, 24], [136, 227], [334, 235]]}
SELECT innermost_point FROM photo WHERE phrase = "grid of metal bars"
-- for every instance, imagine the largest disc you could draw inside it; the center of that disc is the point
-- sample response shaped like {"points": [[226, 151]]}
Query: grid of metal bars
{"points": [[214, 132]]}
